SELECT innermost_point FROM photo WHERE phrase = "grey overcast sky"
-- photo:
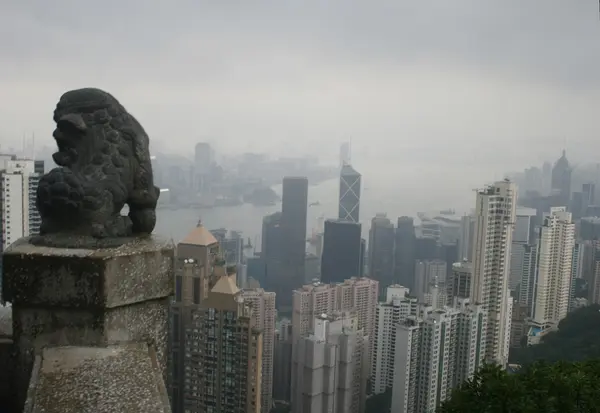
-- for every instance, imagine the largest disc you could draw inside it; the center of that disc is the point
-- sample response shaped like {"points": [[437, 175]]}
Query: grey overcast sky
{"points": [[493, 83]]}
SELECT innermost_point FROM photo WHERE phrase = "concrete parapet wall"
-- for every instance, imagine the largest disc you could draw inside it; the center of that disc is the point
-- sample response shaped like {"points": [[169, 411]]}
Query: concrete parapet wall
{"points": [[114, 379], [87, 297]]}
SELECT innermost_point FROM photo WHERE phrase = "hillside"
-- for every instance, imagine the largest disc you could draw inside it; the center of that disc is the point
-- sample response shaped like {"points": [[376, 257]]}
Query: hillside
{"points": [[577, 339]]}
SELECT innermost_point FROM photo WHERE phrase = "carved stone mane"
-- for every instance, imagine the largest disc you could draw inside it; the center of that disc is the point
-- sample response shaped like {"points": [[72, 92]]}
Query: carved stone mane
{"points": [[104, 163]]}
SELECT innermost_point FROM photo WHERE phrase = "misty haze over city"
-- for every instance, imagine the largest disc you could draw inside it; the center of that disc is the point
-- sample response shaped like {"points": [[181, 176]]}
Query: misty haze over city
{"points": [[458, 92], [279, 206]]}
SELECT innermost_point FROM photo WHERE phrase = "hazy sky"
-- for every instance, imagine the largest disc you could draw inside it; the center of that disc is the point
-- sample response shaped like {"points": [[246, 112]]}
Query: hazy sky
{"points": [[488, 84]]}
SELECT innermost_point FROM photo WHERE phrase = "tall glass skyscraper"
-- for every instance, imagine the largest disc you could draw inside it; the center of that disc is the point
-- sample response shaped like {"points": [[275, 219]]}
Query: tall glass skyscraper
{"points": [[349, 206]]}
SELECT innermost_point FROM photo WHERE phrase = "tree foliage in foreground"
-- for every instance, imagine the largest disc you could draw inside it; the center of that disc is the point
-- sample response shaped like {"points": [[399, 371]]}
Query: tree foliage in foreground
{"points": [[542, 387]]}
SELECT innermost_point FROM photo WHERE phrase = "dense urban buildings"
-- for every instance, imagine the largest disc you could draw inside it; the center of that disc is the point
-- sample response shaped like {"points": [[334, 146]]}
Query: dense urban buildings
{"points": [[393, 310], [459, 283], [354, 294], [426, 273], [329, 369], [349, 202], [214, 331], [494, 219], [455, 290], [344, 347], [18, 186], [435, 352]]}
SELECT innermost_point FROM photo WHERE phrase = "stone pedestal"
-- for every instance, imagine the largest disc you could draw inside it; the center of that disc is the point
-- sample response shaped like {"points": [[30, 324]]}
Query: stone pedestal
{"points": [[85, 297]]}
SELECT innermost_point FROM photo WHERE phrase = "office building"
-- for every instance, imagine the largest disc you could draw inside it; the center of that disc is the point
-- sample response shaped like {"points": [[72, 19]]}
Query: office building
{"points": [[329, 368], [459, 284], [528, 278], [381, 252], [561, 180], [589, 228], [312, 268], [342, 251], [363, 257], [349, 200], [18, 186], [519, 325], [396, 307], [345, 154], [435, 353], [467, 224], [294, 204], [231, 244], [427, 272], [553, 281], [435, 296], [523, 235], [576, 272], [494, 218], [272, 253], [443, 226], [405, 252], [204, 159], [282, 366], [263, 315]]}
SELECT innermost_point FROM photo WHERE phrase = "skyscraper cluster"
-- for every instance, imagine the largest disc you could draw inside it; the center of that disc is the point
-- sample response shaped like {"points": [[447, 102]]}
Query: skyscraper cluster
{"points": [[412, 314]]}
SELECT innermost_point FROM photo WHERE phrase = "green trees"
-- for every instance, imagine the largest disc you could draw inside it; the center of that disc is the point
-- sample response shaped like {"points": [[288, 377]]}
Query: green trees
{"points": [[542, 387], [562, 374], [577, 339]]}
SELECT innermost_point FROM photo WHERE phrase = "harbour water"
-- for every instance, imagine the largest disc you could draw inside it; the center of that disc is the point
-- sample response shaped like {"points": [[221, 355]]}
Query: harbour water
{"points": [[375, 199]]}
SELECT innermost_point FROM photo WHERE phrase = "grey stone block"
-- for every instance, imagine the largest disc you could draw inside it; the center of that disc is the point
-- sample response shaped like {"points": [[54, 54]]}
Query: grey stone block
{"points": [[121, 379], [78, 297]]}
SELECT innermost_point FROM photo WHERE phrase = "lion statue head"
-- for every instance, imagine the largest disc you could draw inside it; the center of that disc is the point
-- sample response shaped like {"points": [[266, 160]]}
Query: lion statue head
{"points": [[104, 163]]}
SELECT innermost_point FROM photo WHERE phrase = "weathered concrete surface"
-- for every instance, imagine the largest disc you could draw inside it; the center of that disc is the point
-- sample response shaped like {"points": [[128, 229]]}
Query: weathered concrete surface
{"points": [[78, 297], [115, 379], [6, 358]]}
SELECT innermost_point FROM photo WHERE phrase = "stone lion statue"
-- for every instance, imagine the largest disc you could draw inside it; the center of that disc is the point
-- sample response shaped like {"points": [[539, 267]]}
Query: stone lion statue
{"points": [[104, 163]]}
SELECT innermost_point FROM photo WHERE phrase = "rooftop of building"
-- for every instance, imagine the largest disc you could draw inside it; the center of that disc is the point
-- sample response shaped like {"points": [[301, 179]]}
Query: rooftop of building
{"points": [[348, 170], [199, 236], [463, 265], [526, 212], [317, 285], [225, 285]]}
